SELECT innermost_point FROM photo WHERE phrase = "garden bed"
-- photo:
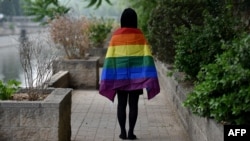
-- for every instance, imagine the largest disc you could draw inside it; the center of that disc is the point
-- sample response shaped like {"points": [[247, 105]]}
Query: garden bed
{"points": [[45, 120]]}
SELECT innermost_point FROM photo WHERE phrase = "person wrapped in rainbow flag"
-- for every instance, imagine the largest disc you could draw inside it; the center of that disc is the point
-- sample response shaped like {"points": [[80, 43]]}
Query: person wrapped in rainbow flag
{"points": [[128, 69]]}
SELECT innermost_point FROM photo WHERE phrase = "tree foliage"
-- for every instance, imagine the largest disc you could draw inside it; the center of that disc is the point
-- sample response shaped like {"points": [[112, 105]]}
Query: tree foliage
{"points": [[97, 3], [51, 8], [44, 9]]}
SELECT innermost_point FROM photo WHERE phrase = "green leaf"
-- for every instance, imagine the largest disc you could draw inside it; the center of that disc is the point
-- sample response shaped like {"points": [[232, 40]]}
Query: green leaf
{"points": [[91, 3]]}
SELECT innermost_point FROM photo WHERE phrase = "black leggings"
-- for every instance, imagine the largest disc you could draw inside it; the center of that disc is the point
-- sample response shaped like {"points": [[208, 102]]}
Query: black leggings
{"points": [[132, 97]]}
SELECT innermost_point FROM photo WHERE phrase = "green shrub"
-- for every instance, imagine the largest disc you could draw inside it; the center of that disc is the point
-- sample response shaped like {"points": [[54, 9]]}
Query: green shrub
{"points": [[99, 31], [199, 45], [222, 91], [165, 19], [7, 89]]}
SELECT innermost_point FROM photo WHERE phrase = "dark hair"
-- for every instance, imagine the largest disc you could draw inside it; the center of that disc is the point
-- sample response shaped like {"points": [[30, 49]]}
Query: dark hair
{"points": [[129, 18]]}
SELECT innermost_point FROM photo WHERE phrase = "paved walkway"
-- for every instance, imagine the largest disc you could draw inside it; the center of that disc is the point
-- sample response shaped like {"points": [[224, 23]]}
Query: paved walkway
{"points": [[94, 119]]}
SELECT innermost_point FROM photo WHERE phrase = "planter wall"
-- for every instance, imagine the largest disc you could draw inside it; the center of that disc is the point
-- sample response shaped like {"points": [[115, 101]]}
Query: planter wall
{"points": [[47, 120], [198, 128], [100, 52], [59, 80], [83, 74]]}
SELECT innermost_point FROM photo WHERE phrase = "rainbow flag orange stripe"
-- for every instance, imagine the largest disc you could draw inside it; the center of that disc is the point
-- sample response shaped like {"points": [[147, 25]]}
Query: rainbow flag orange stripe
{"points": [[128, 65], [131, 39]]}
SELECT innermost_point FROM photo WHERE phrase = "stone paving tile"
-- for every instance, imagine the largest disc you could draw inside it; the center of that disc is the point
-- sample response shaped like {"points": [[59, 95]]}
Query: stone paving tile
{"points": [[94, 119]]}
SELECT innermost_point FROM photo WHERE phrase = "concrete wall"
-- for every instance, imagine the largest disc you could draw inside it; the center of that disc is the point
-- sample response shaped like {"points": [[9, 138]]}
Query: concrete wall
{"points": [[199, 128], [47, 120], [59, 80], [83, 74], [100, 52]]}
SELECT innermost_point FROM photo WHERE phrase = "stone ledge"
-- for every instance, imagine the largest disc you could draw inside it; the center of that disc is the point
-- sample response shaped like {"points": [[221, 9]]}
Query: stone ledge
{"points": [[198, 128], [59, 80], [101, 52], [49, 120], [83, 73]]}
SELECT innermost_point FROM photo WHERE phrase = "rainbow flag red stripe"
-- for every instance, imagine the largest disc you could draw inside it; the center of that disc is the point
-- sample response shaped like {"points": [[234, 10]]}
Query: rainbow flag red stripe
{"points": [[128, 65]]}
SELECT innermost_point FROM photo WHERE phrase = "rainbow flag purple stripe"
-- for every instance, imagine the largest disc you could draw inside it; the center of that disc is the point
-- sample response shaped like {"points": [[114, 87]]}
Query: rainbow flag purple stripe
{"points": [[128, 65]]}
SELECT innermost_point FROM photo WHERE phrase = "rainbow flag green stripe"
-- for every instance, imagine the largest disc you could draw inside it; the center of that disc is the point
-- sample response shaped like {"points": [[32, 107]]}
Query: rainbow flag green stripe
{"points": [[134, 61]]}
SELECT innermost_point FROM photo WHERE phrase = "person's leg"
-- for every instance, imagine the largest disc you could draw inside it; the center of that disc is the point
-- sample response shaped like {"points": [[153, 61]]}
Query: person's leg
{"points": [[121, 112], [133, 113]]}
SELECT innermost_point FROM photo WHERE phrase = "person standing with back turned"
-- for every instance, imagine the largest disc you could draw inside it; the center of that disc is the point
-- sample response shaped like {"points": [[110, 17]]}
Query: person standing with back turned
{"points": [[128, 69]]}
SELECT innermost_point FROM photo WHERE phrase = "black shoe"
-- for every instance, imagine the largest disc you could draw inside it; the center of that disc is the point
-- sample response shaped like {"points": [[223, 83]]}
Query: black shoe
{"points": [[123, 136], [132, 137]]}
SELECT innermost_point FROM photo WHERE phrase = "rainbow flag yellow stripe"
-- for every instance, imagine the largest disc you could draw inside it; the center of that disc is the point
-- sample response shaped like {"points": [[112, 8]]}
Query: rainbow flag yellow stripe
{"points": [[128, 50]]}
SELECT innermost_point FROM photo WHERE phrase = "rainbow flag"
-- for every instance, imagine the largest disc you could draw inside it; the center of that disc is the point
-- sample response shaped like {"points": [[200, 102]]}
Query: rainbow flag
{"points": [[128, 65]]}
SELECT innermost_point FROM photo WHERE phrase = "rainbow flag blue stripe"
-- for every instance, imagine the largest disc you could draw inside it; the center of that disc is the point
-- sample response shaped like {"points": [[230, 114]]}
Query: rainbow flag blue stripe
{"points": [[128, 65]]}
